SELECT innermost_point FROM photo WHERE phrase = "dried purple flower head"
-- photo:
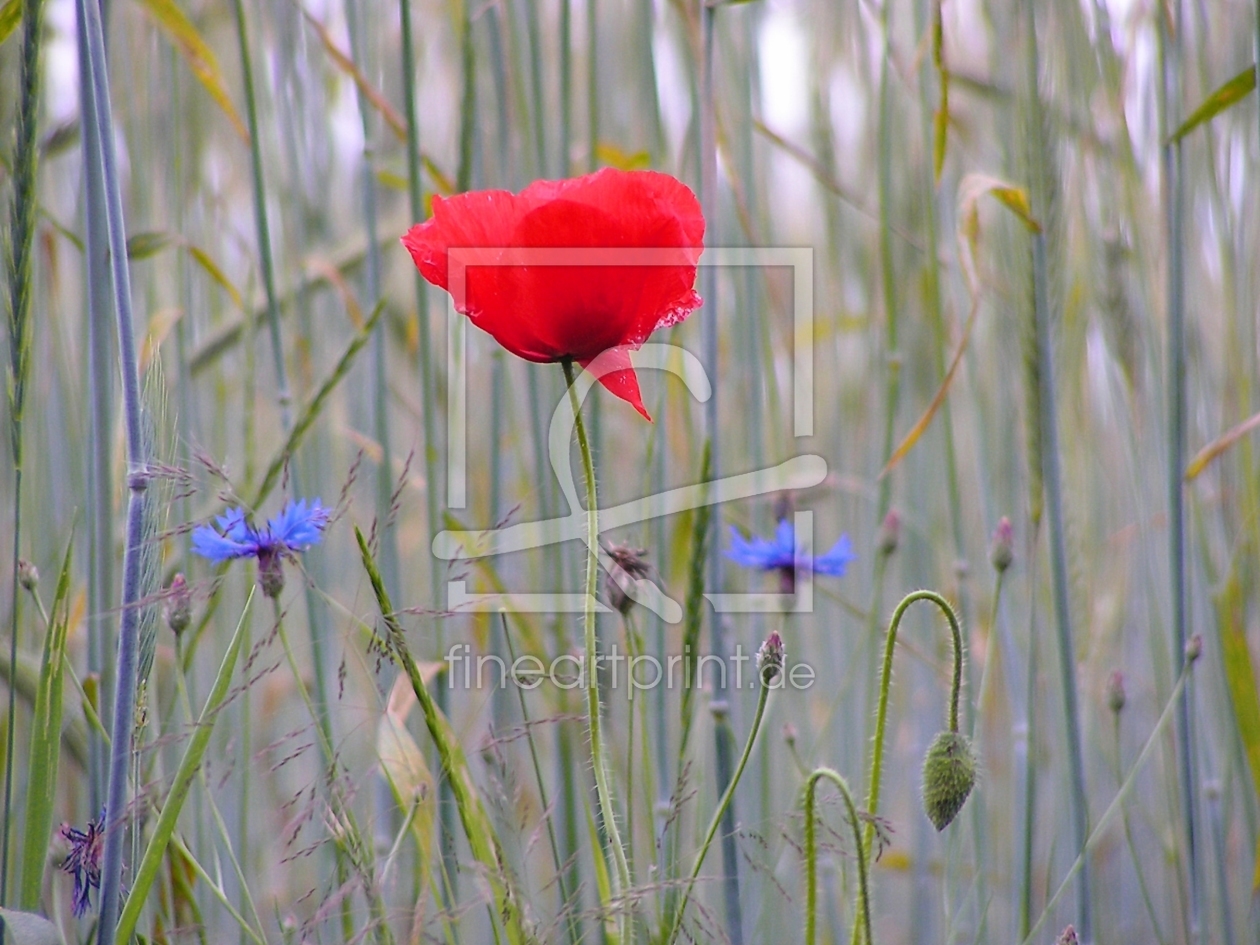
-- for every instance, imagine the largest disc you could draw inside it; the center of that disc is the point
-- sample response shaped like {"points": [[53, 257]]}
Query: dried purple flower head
{"points": [[890, 533], [1002, 547], [1115, 691], [628, 566], [770, 659], [28, 574], [178, 605], [84, 860], [296, 527]]}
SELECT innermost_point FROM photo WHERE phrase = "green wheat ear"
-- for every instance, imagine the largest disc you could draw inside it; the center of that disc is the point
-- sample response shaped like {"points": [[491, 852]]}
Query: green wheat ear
{"points": [[949, 774]]}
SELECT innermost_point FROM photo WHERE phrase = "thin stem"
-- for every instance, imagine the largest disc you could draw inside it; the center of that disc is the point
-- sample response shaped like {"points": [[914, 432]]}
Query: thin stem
{"points": [[565, 905], [811, 892], [675, 924], [1040, 195], [591, 681], [723, 741], [885, 683], [1116, 805], [97, 109], [1169, 87]]}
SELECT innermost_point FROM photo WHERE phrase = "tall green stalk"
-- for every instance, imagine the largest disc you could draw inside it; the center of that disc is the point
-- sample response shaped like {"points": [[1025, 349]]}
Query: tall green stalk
{"points": [[1040, 197], [96, 110], [100, 497], [21, 286], [1169, 85], [720, 706]]}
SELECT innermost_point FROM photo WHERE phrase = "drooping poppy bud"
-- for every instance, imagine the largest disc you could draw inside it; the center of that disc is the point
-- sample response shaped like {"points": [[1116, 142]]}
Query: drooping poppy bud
{"points": [[949, 774]]}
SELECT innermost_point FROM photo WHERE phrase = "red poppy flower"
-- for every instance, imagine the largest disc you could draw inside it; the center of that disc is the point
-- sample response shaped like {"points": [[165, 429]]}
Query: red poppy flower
{"points": [[569, 269]]}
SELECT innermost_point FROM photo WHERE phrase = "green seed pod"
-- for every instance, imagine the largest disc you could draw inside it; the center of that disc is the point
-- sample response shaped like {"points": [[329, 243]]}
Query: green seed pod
{"points": [[949, 773]]}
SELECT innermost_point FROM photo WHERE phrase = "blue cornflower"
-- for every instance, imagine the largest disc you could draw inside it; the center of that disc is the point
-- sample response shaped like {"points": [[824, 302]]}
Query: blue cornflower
{"points": [[294, 529], [84, 860], [783, 555]]}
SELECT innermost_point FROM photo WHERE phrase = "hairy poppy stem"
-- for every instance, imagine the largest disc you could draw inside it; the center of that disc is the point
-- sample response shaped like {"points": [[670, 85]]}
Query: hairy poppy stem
{"points": [[881, 715], [811, 854], [598, 753]]}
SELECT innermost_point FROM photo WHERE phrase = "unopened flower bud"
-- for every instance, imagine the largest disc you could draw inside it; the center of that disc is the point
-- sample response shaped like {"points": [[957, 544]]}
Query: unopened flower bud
{"points": [[1115, 691], [889, 533], [1194, 648], [271, 572], [1067, 937], [789, 733], [949, 773], [628, 566], [770, 658], [1002, 547], [28, 574], [178, 605]]}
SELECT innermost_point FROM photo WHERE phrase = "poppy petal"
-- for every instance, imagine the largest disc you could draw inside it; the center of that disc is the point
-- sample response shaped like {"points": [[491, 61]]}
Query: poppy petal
{"points": [[617, 375]]}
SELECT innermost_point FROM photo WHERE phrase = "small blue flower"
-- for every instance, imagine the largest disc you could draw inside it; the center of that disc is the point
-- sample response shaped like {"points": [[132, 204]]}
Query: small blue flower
{"points": [[784, 556], [84, 860], [296, 527]]}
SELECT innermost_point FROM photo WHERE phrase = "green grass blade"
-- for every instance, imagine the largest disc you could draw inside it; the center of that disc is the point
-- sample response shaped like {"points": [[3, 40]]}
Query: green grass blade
{"points": [[45, 744], [312, 410], [189, 765], [1233, 91], [177, 28], [481, 837], [10, 17]]}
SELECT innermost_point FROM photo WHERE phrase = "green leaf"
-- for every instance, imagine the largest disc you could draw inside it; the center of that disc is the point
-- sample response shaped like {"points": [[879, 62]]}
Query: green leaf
{"points": [[26, 928], [202, 258], [1232, 91], [189, 766], [1240, 675], [10, 17], [144, 245], [171, 20], [45, 754], [482, 840]]}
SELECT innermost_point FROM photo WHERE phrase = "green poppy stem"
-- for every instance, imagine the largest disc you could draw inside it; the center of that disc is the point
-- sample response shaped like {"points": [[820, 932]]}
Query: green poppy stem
{"points": [[599, 762], [811, 855], [885, 683]]}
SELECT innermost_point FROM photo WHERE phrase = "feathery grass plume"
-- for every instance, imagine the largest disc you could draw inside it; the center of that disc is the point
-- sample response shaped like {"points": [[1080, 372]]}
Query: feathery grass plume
{"points": [[482, 839]]}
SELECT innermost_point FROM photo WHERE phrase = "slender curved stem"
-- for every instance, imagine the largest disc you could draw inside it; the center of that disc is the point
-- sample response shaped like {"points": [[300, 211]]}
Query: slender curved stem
{"points": [[594, 724], [885, 683], [811, 894], [675, 923]]}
